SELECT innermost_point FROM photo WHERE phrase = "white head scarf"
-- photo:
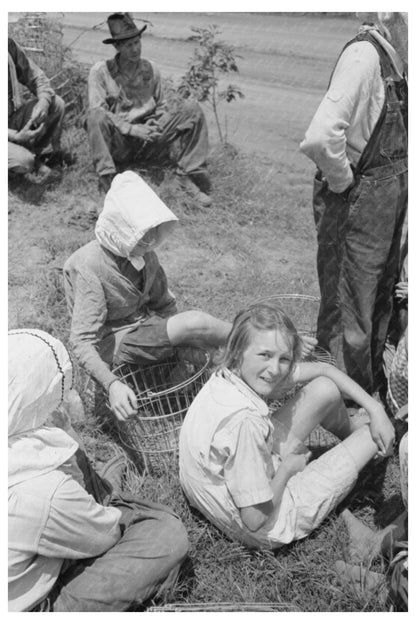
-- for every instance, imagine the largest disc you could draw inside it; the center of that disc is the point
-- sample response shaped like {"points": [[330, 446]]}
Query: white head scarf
{"points": [[40, 376], [131, 209]]}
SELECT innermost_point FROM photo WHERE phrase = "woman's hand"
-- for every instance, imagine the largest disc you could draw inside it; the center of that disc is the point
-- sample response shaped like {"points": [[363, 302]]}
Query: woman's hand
{"points": [[123, 400], [382, 431]]}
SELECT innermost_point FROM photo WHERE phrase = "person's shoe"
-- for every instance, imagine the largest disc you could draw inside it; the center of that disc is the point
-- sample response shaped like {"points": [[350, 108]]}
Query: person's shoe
{"points": [[200, 197], [42, 175], [365, 544], [60, 158], [364, 579], [104, 182], [202, 180]]}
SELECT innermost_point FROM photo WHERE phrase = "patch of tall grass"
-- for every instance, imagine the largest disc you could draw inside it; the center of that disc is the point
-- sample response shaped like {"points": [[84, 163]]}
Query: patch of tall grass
{"points": [[255, 241]]}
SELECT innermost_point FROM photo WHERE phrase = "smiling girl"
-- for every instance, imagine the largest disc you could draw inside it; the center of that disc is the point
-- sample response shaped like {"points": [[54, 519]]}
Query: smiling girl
{"points": [[246, 469]]}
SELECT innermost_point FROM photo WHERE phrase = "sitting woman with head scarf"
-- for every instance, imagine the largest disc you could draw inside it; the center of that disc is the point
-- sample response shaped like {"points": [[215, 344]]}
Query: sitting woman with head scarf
{"points": [[117, 292], [67, 550]]}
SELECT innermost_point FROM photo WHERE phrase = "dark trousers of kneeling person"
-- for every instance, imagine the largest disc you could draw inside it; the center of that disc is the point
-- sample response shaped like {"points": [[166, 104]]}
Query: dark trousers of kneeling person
{"points": [[186, 123], [145, 561], [21, 160]]}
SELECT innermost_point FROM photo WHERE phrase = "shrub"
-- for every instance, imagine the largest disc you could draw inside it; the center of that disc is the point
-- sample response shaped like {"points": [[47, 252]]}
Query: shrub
{"points": [[212, 58]]}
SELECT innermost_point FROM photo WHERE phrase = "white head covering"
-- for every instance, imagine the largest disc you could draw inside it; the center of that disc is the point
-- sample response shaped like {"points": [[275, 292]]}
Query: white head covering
{"points": [[131, 209], [40, 376]]}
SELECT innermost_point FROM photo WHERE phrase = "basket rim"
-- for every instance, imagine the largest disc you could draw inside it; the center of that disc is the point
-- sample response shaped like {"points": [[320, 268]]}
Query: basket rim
{"points": [[300, 296], [189, 380]]}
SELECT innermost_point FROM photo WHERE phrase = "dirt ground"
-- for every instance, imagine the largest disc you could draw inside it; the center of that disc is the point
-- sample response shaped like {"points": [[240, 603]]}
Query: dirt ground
{"points": [[284, 61], [284, 69]]}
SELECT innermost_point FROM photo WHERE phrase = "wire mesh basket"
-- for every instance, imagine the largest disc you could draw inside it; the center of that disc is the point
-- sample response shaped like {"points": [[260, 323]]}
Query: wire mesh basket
{"points": [[225, 606], [301, 309], [41, 37], [164, 393]]}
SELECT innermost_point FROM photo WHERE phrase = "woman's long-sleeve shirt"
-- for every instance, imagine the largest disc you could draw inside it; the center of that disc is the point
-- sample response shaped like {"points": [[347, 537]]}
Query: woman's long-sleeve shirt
{"points": [[106, 295]]}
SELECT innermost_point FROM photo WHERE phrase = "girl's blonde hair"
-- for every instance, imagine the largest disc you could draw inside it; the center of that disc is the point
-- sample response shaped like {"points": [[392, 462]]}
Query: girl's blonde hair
{"points": [[260, 316]]}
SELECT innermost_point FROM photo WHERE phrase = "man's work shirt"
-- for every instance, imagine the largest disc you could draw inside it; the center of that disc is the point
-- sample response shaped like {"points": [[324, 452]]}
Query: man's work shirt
{"points": [[346, 117], [110, 89], [27, 73], [106, 296]]}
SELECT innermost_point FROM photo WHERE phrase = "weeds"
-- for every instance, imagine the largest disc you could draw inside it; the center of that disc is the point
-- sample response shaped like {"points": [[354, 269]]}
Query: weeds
{"points": [[218, 260]]}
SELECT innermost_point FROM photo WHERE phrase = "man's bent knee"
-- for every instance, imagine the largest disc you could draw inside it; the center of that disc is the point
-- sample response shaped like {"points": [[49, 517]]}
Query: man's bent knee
{"points": [[177, 538], [20, 159], [97, 117]]}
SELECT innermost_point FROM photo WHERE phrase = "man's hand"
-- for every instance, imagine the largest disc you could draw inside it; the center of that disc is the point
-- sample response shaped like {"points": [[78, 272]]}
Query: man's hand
{"points": [[308, 345], [26, 136], [39, 113], [401, 291], [123, 401], [147, 132]]}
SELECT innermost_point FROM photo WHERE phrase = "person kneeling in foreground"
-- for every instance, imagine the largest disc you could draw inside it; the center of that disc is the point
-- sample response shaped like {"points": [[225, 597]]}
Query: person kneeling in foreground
{"points": [[239, 465], [67, 550], [117, 293]]}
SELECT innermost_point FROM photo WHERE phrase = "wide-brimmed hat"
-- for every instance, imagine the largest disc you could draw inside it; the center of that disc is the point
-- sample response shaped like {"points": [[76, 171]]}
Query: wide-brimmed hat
{"points": [[122, 27]]}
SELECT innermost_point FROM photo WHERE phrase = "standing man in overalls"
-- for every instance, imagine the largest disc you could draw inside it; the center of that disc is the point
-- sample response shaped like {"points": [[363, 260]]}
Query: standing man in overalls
{"points": [[358, 140]]}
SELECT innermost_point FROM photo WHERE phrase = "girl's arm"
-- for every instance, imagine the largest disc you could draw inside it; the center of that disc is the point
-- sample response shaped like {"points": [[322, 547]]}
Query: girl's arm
{"points": [[382, 430], [255, 516]]}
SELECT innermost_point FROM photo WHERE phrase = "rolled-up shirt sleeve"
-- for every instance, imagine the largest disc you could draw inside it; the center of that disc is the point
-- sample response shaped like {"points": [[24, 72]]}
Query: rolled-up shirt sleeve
{"points": [[326, 141], [247, 468], [77, 527]]}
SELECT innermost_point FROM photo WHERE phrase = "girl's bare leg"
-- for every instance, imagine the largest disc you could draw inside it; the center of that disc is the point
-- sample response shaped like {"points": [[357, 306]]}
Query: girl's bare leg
{"points": [[318, 403]]}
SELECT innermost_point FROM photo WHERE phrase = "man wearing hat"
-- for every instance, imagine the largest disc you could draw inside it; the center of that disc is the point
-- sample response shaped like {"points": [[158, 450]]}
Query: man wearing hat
{"points": [[129, 120], [358, 140]]}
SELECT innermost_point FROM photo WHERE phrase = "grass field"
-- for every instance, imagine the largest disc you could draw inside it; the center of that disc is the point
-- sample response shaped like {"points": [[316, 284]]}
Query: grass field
{"points": [[256, 241]]}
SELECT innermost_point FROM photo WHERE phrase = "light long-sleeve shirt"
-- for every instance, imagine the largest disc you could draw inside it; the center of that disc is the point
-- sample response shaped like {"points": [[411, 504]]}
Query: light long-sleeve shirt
{"points": [[27, 74], [52, 518], [346, 117], [107, 296]]}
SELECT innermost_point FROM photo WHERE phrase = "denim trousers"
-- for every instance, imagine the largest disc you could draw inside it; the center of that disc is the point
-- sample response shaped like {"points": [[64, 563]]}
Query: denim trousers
{"points": [[184, 126], [22, 159], [359, 240]]}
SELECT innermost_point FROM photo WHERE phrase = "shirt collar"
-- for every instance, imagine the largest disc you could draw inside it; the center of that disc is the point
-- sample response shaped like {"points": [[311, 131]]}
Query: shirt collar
{"points": [[260, 405]]}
